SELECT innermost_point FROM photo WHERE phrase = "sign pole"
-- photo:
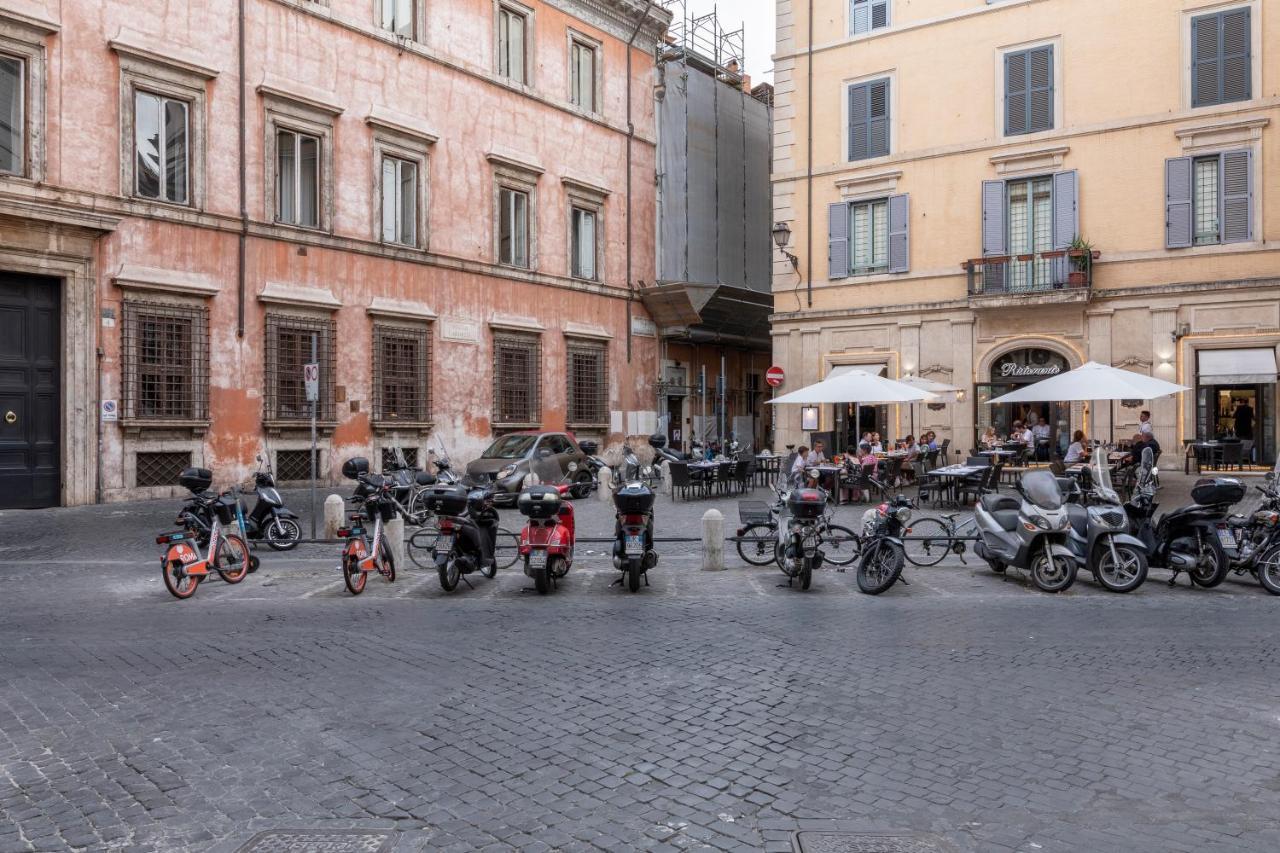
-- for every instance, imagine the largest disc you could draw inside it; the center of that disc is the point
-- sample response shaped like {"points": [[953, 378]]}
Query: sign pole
{"points": [[312, 381]]}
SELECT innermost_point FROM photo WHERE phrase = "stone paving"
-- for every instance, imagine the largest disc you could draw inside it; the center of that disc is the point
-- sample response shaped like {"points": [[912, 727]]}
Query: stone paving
{"points": [[711, 711]]}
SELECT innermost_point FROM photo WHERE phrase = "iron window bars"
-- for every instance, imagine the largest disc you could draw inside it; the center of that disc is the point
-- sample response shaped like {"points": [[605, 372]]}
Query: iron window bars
{"points": [[289, 346], [401, 374], [588, 384], [165, 350], [517, 379]]}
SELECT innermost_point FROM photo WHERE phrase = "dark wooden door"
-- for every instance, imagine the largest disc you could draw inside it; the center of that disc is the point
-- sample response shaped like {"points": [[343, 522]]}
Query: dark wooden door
{"points": [[30, 408]]}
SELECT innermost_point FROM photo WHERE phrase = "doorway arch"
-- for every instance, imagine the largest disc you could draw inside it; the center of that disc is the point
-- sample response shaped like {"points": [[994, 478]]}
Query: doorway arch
{"points": [[1016, 363]]}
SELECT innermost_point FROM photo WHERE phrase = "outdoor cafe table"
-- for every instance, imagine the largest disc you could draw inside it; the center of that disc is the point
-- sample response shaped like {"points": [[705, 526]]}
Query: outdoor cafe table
{"points": [[953, 474], [768, 466]]}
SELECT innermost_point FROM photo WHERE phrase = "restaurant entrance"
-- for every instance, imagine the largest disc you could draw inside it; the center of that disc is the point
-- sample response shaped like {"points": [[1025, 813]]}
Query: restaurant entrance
{"points": [[1235, 400], [1010, 372]]}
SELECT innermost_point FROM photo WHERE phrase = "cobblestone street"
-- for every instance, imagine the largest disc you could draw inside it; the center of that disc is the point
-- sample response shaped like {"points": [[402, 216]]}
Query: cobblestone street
{"points": [[961, 712]]}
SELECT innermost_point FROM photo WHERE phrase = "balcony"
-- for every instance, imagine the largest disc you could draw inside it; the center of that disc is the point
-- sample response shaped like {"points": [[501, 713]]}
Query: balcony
{"points": [[1041, 277]]}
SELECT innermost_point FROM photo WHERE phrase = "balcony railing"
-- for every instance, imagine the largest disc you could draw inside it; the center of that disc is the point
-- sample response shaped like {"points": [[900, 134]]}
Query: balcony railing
{"points": [[1035, 273]]}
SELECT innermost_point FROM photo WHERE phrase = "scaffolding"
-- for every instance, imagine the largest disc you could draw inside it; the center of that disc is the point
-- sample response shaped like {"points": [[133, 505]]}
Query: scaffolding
{"points": [[701, 40]]}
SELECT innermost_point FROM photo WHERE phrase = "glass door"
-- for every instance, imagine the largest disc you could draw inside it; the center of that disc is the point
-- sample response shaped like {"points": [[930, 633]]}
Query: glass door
{"points": [[1030, 232]]}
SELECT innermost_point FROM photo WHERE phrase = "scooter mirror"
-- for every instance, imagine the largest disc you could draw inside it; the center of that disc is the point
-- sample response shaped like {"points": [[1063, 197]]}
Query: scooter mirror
{"points": [[1155, 472]]}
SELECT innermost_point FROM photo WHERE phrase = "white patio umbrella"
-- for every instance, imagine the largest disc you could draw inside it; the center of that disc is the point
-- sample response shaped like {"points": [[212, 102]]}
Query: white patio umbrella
{"points": [[857, 387], [1092, 381], [945, 393]]}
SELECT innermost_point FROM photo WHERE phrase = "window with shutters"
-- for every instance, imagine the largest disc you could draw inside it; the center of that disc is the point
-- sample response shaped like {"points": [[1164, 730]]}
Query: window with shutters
{"points": [[1205, 200], [584, 246], [1209, 199], [868, 15], [399, 201], [292, 342], [513, 42], [401, 374], [297, 178], [517, 379], [588, 383], [161, 150], [1030, 221], [869, 237], [397, 16], [165, 354], [584, 60], [13, 122], [513, 227], [1221, 57], [868, 110], [1028, 91]]}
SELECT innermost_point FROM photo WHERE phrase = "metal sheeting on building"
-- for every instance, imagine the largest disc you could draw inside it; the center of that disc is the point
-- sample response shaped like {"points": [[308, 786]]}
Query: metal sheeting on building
{"points": [[759, 208], [731, 186], [673, 172], [700, 127]]}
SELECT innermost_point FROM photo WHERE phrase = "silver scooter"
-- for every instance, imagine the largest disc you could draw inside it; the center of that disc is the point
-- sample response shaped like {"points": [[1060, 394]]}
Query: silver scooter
{"points": [[1028, 534], [1100, 536]]}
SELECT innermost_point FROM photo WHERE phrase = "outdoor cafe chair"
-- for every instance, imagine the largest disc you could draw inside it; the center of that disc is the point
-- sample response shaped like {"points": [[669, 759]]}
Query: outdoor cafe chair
{"points": [[681, 483]]}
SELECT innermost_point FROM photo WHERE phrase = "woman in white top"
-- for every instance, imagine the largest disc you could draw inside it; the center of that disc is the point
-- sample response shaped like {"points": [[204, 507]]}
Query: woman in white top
{"points": [[1076, 451]]}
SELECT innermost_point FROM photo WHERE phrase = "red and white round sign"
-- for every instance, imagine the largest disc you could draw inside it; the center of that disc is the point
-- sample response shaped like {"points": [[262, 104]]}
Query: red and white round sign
{"points": [[775, 376]]}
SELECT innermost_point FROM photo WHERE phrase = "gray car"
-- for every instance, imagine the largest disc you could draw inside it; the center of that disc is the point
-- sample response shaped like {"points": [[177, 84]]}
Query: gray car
{"points": [[554, 456]]}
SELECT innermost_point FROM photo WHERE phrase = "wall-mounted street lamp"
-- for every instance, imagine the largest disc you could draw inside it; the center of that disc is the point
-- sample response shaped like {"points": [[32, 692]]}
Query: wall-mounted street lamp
{"points": [[781, 237]]}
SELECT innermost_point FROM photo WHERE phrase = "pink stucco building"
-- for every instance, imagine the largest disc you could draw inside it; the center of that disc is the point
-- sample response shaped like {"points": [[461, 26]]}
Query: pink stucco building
{"points": [[442, 198]]}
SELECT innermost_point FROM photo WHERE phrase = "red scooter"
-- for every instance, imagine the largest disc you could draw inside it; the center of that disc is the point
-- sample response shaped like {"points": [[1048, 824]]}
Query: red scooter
{"points": [[546, 543]]}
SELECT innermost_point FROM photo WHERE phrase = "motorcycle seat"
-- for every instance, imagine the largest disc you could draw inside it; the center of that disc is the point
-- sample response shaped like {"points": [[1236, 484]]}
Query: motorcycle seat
{"points": [[1238, 521], [997, 503]]}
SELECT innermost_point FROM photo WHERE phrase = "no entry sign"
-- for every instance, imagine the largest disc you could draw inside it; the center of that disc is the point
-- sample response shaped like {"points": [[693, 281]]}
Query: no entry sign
{"points": [[775, 376]]}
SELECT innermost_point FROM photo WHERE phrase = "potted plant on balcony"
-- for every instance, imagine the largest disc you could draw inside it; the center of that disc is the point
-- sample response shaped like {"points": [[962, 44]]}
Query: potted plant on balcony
{"points": [[1080, 254]]}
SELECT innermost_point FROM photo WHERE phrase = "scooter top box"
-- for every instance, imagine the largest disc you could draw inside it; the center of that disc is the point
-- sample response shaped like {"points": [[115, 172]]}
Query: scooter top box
{"points": [[196, 479], [1214, 491], [658, 440], [807, 503], [354, 467], [447, 500], [540, 502], [590, 448], [633, 499]]}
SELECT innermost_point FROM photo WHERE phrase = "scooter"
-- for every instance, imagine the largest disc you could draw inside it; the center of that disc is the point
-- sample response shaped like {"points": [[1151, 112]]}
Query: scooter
{"points": [[658, 442], [1028, 534], [445, 475], [633, 471], [633, 553], [883, 553], [468, 533], [1099, 536], [547, 540], [800, 538], [270, 519], [587, 480], [1192, 539]]}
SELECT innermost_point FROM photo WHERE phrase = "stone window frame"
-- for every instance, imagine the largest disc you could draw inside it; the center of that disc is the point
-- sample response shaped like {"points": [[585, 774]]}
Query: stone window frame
{"points": [[155, 76], [573, 37], [527, 13], [1257, 46], [1059, 81], [591, 198], [24, 39], [596, 346], [400, 144], [284, 113], [419, 20], [511, 174], [423, 331]]}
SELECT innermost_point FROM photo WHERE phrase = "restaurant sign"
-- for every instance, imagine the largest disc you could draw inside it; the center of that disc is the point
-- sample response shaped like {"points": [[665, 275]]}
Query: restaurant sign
{"points": [[1027, 365], [1009, 369]]}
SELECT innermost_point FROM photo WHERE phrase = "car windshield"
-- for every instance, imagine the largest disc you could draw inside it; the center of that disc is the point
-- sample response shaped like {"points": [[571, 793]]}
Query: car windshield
{"points": [[1041, 489], [1100, 471], [510, 447]]}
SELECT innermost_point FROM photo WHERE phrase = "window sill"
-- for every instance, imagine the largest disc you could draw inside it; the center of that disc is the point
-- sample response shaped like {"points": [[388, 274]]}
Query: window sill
{"points": [[510, 426], [384, 426], [588, 426], [280, 425], [507, 266], [590, 279], [164, 202], [404, 247], [136, 426], [293, 226]]}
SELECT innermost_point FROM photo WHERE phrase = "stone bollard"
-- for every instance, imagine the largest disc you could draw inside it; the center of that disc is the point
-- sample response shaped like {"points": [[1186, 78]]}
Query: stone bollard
{"points": [[334, 509], [712, 541], [664, 484], [393, 530], [605, 490]]}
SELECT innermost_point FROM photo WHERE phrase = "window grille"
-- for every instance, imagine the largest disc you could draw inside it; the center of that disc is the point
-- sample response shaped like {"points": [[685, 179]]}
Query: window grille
{"points": [[294, 465], [289, 346], [402, 374], [160, 469], [165, 351], [588, 389], [517, 379], [389, 457]]}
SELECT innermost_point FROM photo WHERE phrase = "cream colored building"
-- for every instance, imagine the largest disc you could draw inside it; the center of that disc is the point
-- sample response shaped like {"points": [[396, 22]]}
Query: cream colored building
{"points": [[936, 159]]}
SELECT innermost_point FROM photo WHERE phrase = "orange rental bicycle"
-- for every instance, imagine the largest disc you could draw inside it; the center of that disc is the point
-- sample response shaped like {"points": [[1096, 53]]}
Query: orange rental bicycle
{"points": [[363, 554], [183, 566]]}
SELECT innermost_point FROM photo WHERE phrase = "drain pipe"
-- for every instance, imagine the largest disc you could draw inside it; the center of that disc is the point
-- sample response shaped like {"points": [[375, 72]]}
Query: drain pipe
{"points": [[808, 166], [244, 204], [631, 135]]}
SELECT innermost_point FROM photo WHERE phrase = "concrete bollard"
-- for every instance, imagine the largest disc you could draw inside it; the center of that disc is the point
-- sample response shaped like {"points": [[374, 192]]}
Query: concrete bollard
{"points": [[334, 509], [393, 530], [664, 485], [605, 491], [712, 541]]}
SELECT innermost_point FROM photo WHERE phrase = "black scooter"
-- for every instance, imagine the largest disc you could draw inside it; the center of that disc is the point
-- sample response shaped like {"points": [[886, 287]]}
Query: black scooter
{"points": [[468, 533], [269, 520], [633, 553]]}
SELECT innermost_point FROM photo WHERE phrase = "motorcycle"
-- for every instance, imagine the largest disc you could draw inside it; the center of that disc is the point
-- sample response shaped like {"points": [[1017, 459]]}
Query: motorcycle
{"points": [[1028, 534], [1191, 539], [1099, 536], [883, 554], [633, 552], [658, 442], [445, 474], [800, 537], [633, 471], [468, 533], [547, 540], [593, 466], [1257, 536], [270, 519]]}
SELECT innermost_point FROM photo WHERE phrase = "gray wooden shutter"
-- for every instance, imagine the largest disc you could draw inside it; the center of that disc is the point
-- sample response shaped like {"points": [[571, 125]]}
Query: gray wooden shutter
{"points": [[1039, 89], [878, 119], [993, 211], [1177, 203], [1205, 60], [899, 233], [859, 122], [1015, 93], [838, 241], [1237, 43], [1066, 208], [1236, 185], [861, 16], [879, 14]]}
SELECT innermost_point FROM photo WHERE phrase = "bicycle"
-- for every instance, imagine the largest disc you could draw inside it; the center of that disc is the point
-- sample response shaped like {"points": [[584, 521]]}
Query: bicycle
{"points": [[422, 545], [757, 539], [930, 538], [363, 554], [183, 566]]}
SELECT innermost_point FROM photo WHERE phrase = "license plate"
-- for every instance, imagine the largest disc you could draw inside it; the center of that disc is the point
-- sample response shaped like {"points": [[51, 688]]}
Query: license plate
{"points": [[537, 559], [1226, 537], [444, 544], [635, 546]]}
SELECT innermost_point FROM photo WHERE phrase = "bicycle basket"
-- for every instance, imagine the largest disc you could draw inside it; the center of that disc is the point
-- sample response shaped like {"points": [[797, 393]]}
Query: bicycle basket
{"points": [[754, 512]]}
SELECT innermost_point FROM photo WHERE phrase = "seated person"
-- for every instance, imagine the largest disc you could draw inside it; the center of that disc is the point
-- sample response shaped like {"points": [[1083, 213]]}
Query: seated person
{"points": [[796, 475], [818, 455], [1141, 441], [876, 445], [1076, 451], [989, 440]]}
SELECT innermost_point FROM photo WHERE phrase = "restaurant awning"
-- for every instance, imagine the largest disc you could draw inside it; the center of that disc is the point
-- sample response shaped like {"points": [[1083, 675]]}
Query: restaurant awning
{"points": [[873, 369], [1237, 366]]}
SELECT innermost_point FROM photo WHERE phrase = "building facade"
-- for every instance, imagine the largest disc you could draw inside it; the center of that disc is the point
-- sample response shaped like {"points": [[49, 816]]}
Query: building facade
{"points": [[447, 207], [987, 192]]}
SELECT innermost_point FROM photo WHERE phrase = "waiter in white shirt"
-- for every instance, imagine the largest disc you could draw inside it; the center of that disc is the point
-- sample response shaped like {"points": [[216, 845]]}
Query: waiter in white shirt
{"points": [[1144, 423]]}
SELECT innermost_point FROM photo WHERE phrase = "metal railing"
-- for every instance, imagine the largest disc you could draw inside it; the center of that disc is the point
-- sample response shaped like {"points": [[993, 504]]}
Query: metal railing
{"points": [[1036, 272]]}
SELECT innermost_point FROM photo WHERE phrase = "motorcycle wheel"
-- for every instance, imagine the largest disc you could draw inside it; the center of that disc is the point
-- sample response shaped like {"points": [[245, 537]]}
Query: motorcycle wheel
{"points": [[1124, 575], [806, 574], [352, 575], [756, 544], [283, 534], [582, 487], [633, 575], [880, 569], [1269, 570], [448, 574], [1209, 576], [1053, 576], [542, 580], [232, 559]]}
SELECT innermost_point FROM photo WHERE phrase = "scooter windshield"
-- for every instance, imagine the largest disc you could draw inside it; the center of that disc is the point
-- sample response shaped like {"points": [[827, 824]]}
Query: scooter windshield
{"points": [[1041, 489], [1100, 472]]}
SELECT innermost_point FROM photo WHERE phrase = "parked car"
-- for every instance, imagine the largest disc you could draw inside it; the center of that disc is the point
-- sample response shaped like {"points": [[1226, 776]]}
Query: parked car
{"points": [[554, 457]]}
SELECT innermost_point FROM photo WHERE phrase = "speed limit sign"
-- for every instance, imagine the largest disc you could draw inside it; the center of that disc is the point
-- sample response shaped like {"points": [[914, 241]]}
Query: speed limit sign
{"points": [[311, 379]]}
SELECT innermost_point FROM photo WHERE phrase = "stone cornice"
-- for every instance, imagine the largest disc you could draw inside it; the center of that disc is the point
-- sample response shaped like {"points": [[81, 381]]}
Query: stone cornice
{"points": [[299, 93], [134, 45], [134, 277], [619, 17], [29, 18]]}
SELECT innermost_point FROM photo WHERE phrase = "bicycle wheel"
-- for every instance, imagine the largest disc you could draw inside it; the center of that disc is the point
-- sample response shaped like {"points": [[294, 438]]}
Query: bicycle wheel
{"points": [[840, 545], [927, 541], [179, 583], [232, 559], [388, 561], [422, 545], [755, 544], [418, 512], [507, 549]]}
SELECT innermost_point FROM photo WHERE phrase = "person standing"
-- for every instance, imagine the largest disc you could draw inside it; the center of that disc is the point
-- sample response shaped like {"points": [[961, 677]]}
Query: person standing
{"points": [[1244, 419], [1144, 424]]}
